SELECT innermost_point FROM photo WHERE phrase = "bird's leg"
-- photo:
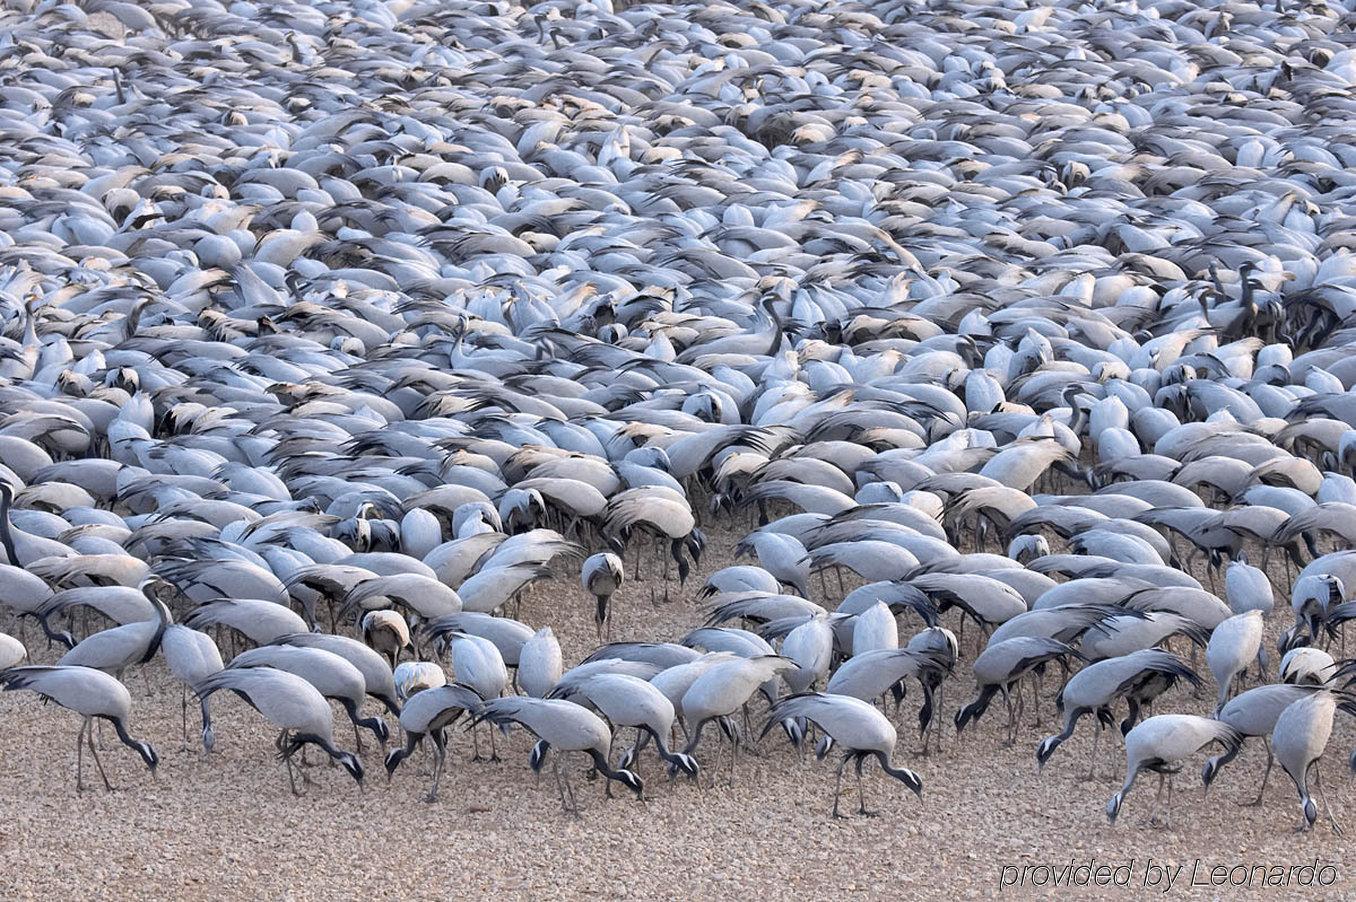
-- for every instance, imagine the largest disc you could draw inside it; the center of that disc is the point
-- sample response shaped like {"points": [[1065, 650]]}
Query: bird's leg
{"points": [[183, 713], [287, 760], [1040, 684], [97, 763], [475, 745], [1158, 796], [838, 787], [1092, 761], [861, 796], [494, 752], [574, 803], [1323, 794], [560, 787], [607, 784], [440, 752], [838, 572], [80, 756], [1266, 774], [357, 738], [1012, 719]]}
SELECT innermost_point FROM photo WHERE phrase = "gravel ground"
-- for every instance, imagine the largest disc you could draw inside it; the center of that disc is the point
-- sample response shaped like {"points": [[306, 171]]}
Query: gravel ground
{"points": [[226, 826]]}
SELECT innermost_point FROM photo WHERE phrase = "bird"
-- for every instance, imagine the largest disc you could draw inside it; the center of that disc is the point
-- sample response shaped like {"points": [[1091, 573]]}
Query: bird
{"points": [[602, 575], [723, 690], [12, 651], [1097, 687], [1298, 741], [287, 701], [429, 712], [1001, 666], [387, 633], [1254, 713], [93, 695], [1160, 744], [333, 675], [191, 657], [628, 701], [854, 726], [413, 677], [1234, 645], [559, 726], [540, 663]]}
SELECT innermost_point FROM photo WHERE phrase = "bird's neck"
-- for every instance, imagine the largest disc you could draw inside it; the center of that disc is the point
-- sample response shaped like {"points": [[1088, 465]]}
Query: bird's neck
{"points": [[6, 535]]}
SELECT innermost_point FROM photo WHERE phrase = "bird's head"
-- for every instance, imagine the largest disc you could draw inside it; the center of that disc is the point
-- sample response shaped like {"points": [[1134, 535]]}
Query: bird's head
{"points": [[696, 544], [351, 764], [631, 781], [911, 780], [380, 730], [1045, 750], [686, 763], [1211, 769], [393, 759], [537, 758], [1113, 808], [148, 755], [823, 747], [1310, 812]]}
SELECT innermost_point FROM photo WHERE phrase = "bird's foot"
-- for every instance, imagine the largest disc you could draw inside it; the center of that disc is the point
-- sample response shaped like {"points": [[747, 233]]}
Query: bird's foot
{"points": [[1255, 803], [431, 797], [866, 812]]}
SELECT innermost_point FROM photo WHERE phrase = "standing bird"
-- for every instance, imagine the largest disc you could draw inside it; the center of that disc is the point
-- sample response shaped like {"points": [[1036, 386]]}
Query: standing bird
{"points": [[1254, 713], [192, 657], [291, 704], [90, 693], [540, 663], [478, 665], [1160, 744], [386, 632], [1233, 645], [857, 727], [628, 701], [335, 677], [1247, 588], [413, 677], [430, 713], [1306, 666], [724, 689], [1001, 666], [380, 682], [601, 576], [1298, 740], [565, 727], [115, 649], [1095, 689]]}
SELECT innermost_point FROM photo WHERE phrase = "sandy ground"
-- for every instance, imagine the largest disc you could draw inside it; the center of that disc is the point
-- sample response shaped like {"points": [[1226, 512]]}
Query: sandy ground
{"points": [[226, 825]]}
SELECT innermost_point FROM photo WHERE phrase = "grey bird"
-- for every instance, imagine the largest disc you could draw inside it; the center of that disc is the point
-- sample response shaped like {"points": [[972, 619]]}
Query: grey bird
{"points": [[93, 695], [291, 704]]}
